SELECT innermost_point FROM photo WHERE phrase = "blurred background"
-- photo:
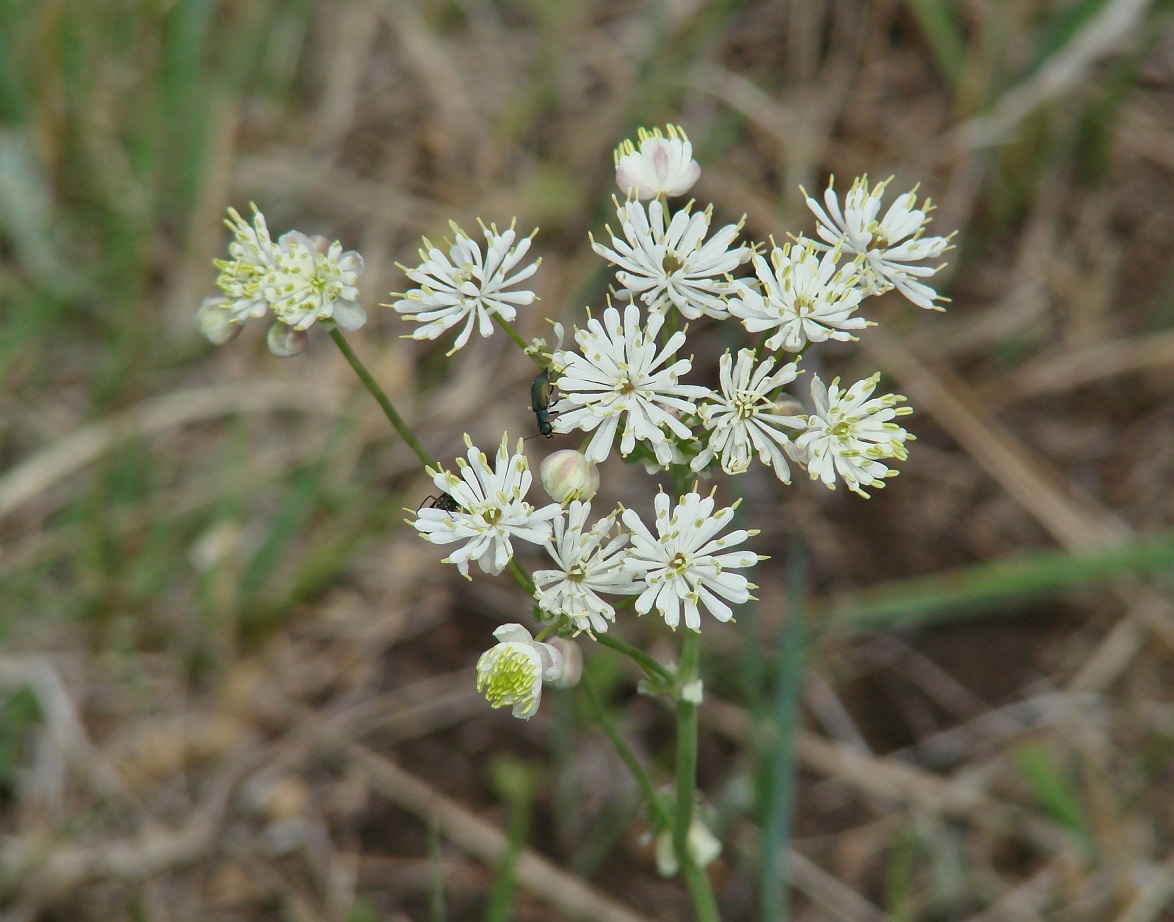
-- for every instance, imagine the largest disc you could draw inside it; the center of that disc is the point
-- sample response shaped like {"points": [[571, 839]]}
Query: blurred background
{"points": [[234, 686]]}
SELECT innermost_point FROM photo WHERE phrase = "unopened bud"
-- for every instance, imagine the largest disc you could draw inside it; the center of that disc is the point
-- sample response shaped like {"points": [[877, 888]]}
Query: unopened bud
{"points": [[572, 665], [286, 342], [703, 847], [212, 320], [567, 475]]}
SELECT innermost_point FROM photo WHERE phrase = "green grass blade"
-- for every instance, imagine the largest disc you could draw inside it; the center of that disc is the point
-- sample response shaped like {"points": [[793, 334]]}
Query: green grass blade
{"points": [[965, 592]]}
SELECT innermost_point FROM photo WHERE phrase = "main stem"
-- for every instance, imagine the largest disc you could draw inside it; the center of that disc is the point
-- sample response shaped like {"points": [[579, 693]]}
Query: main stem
{"points": [[381, 398], [704, 905]]}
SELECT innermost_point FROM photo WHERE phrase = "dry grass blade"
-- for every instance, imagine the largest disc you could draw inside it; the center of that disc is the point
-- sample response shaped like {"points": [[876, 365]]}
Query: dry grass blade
{"points": [[488, 844]]}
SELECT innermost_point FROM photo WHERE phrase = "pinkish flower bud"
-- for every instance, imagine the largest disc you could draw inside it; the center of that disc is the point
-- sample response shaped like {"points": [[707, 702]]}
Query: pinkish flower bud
{"points": [[567, 475]]}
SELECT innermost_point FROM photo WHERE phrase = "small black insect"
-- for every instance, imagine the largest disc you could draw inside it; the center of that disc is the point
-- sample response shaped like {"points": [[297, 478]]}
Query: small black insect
{"points": [[542, 395], [444, 502]]}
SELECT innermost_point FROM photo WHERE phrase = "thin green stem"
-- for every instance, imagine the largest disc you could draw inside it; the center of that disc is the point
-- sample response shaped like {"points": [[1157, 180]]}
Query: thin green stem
{"points": [[381, 398], [650, 666], [524, 579], [697, 882], [686, 744], [512, 334], [655, 804]]}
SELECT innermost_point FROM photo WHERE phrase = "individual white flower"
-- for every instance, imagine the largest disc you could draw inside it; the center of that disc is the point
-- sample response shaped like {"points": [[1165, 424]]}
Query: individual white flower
{"points": [[588, 562], [804, 298], [567, 475], [314, 281], [703, 847], [490, 509], [661, 166], [463, 285], [685, 565], [511, 673], [745, 419], [669, 263], [249, 268], [620, 373], [890, 244], [851, 434]]}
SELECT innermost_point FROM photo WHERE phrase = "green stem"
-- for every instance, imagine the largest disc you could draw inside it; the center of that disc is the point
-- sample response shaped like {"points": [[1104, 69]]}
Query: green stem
{"points": [[512, 334], [655, 804], [696, 880], [650, 666], [524, 579], [686, 744], [381, 398]]}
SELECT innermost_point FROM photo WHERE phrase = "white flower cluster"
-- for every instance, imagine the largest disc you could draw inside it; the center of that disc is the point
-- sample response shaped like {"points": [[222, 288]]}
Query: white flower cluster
{"points": [[301, 280], [625, 385]]}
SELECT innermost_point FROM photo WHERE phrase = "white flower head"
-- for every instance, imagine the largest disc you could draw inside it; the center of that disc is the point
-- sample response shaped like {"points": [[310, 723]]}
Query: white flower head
{"points": [[803, 298], [465, 285], [746, 418], [511, 673], [661, 166], [249, 268], [890, 244], [314, 281], [684, 565], [851, 434], [667, 263], [620, 373], [588, 562], [490, 509]]}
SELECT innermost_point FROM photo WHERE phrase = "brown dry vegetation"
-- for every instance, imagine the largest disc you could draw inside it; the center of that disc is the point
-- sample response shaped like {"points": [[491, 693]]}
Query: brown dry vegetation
{"points": [[235, 687]]}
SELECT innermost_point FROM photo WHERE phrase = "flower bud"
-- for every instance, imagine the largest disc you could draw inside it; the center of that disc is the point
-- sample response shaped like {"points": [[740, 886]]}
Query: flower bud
{"points": [[572, 662], [703, 847], [567, 475], [286, 342], [213, 321]]}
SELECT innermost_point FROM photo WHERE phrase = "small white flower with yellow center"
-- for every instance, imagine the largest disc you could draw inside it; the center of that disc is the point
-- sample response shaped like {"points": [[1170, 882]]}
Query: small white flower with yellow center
{"points": [[511, 673], [314, 281], [803, 298], [851, 434], [249, 268], [661, 166], [685, 565], [464, 285], [668, 263], [620, 374], [490, 510], [748, 417], [588, 562], [889, 244]]}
